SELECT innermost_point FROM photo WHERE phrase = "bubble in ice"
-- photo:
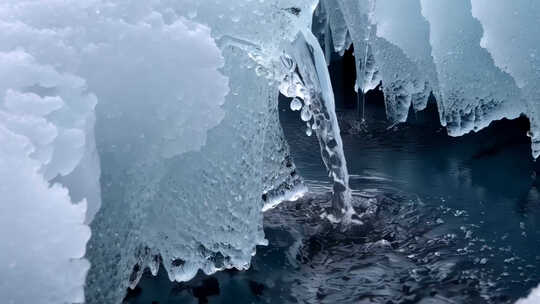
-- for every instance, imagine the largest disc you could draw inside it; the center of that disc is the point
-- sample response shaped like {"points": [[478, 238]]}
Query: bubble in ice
{"points": [[296, 104], [306, 113]]}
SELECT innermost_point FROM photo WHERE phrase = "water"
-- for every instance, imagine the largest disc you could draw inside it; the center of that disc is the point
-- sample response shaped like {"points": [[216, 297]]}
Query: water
{"points": [[482, 188]]}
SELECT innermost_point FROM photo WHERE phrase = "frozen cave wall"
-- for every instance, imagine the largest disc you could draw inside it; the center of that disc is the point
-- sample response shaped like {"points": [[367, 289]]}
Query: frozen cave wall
{"points": [[163, 113], [155, 123], [515, 48], [478, 68]]}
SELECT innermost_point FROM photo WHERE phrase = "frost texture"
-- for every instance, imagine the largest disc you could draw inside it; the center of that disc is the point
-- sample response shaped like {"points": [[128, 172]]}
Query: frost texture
{"points": [[44, 121]]}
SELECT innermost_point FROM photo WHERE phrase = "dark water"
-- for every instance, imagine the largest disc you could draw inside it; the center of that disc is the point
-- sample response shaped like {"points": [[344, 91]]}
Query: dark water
{"points": [[452, 221]]}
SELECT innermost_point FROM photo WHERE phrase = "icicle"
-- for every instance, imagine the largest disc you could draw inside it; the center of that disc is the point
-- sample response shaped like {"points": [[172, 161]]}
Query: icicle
{"points": [[314, 84]]}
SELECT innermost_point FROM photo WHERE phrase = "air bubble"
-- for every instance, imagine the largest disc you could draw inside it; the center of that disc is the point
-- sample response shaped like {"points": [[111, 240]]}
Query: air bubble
{"points": [[306, 113], [296, 104]]}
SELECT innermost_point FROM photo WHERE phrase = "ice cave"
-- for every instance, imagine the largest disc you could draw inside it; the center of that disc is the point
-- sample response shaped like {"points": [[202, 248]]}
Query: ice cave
{"points": [[269, 151]]}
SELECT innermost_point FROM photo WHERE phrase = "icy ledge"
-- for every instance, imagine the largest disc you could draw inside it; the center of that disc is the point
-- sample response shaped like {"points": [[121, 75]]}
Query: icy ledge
{"points": [[478, 68]]}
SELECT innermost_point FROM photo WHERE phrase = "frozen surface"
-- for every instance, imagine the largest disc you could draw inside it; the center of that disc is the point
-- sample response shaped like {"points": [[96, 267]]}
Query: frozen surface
{"points": [[189, 141]]}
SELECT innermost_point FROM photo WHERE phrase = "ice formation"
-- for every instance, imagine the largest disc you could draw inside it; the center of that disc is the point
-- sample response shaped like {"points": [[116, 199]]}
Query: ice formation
{"points": [[186, 131], [45, 122], [515, 48], [308, 79], [164, 114], [533, 298], [473, 91], [478, 69]]}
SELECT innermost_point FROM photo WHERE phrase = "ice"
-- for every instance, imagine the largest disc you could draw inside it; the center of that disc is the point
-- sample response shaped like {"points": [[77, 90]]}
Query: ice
{"points": [[398, 62], [478, 68], [42, 227], [357, 17], [319, 106], [403, 25], [376, 35], [296, 104], [306, 114], [164, 114], [474, 92], [186, 128], [515, 48], [533, 298], [331, 26]]}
